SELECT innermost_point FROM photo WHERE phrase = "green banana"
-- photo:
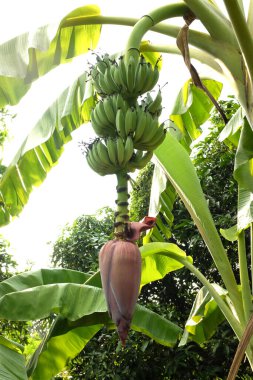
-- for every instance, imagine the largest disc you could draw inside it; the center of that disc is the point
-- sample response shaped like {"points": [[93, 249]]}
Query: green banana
{"points": [[129, 150], [131, 70], [130, 120], [120, 150], [150, 131], [109, 80], [112, 151], [120, 123], [103, 153], [93, 163], [122, 73], [143, 119], [152, 78], [101, 65], [109, 110], [155, 106], [96, 124]]}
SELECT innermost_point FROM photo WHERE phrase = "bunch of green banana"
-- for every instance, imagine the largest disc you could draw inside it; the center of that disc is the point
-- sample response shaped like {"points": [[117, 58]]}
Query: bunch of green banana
{"points": [[148, 134], [103, 116], [102, 76], [135, 76], [110, 157]]}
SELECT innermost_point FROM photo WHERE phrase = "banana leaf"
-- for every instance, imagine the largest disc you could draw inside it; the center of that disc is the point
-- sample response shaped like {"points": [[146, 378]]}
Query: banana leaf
{"points": [[204, 317], [159, 259], [67, 338], [192, 109], [43, 147], [31, 55], [12, 364]]}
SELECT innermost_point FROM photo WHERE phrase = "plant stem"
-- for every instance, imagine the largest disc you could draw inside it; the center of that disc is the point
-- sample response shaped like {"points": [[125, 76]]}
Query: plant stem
{"points": [[122, 212], [197, 54], [214, 21], [151, 19], [244, 276], [242, 33]]}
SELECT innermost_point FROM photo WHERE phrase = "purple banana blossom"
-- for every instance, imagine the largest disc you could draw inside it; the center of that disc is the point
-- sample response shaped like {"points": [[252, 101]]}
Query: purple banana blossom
{"points": [[120, 268]]}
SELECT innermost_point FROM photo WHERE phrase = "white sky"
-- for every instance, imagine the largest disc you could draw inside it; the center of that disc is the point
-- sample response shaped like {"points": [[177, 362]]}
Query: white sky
{"points": [[71, 188]]}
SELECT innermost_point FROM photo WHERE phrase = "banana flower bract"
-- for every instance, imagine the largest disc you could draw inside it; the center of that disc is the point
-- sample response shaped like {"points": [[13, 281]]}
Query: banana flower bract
{"points": [[120, 268]]}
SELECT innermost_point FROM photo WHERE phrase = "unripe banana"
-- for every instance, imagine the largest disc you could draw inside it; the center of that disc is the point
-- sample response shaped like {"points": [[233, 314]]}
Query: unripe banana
{"points": [[109, 110], [155, 106], [143, 119], [120, 150], [130, 121], [112, 151], [120, 123], [132, 65], [122, 73], [103, 153], [129, 150], [109, 80]]}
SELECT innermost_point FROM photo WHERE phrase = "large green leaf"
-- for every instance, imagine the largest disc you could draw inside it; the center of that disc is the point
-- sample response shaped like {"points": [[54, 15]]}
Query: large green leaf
{"points": [[43, 146], [31, 279], [204, 317], [192, 108], [177, 165], [12, 364], [31, 55], [158, 259], [70, 300]]}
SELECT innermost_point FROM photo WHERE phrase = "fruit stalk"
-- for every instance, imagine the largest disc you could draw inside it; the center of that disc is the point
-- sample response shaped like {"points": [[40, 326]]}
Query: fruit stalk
{"points": [[122, 212]]}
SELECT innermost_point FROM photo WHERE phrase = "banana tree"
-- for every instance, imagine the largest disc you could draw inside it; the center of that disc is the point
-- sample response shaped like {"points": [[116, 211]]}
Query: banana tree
{"points": [[225, 46]]}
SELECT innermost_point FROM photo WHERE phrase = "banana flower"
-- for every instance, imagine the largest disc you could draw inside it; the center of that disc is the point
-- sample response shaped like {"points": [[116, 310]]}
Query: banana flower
{"points": [[120, 268]]}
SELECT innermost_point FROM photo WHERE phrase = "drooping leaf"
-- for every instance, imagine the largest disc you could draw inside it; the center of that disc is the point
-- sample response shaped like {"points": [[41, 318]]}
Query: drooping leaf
{"points": [[231, 234], [192, 108], [43, 146], [231, 129], [156, 327], [12, 364], [158, 259], [204, 317], [31, 55], [243, 171], [162, 198]]}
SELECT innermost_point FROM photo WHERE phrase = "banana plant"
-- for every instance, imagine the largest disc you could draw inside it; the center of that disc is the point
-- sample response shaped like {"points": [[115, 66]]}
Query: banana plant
{"points": [[226, 46]]}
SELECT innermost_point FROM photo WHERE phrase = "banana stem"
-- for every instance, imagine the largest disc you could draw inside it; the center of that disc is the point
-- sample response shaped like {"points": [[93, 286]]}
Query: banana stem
{"points": [[122, 213], [148, 21]]}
